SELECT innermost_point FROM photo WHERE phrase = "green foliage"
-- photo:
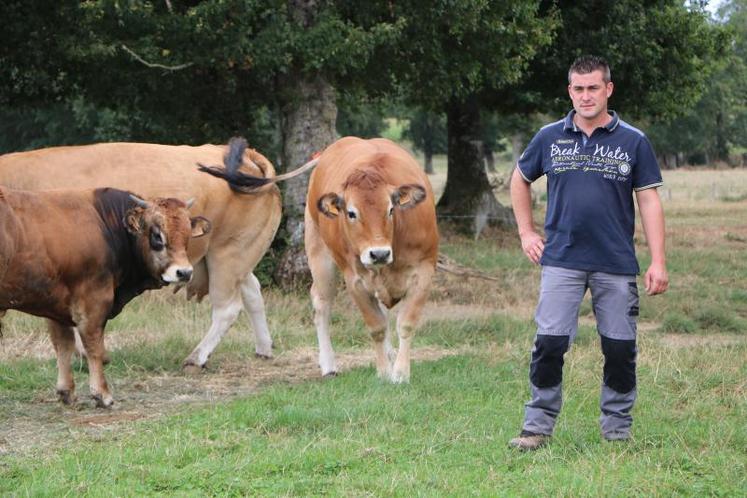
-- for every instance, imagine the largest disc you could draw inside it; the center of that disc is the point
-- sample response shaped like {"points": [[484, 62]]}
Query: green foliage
{"points": [[427, 131], [660, 53], [452, 50], [360, 118], [717, 123]]}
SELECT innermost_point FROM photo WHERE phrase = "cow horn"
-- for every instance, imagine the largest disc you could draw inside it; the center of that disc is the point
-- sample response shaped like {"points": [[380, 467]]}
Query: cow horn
{"points": [[140, 202], [190, 202]]}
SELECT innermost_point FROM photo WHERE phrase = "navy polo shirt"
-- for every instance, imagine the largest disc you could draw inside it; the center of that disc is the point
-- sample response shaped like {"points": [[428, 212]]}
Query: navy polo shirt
{"points": [[590, 217]]}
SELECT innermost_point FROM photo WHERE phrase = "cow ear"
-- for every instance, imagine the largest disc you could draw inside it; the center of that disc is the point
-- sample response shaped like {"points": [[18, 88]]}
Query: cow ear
{"points": [[133, 220], [330, 205], [408, 196], [200, 226]]}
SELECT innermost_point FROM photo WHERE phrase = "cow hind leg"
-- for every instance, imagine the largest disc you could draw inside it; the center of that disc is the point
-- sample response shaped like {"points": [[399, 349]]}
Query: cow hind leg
{"points": [[254, 303], [64, 345], [224, 314]]}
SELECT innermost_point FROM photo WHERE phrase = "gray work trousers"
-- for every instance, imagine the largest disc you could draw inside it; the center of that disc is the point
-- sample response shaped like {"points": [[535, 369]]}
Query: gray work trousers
{"points": [[615, 304]]}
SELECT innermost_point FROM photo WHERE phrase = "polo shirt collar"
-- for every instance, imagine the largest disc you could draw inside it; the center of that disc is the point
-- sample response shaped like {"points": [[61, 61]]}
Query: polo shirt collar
{"points": [[568, 123]]}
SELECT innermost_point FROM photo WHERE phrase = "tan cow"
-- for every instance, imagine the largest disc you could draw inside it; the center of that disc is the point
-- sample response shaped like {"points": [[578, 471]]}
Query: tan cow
{"points": [[77, 257], [370, 212], [243, 224]]}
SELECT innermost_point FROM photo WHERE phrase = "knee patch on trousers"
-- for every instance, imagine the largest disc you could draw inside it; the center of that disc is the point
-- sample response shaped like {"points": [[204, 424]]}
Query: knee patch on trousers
{"points": [[619, 364], [546, 369]]}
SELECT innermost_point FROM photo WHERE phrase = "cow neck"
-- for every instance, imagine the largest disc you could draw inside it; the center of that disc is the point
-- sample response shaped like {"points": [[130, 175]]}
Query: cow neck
{"points": [[125, 260]]}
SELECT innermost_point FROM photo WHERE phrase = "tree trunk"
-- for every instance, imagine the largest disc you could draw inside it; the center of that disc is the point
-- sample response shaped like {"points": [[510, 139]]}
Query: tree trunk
{"points": [[308, 114], [468, 199], [308, 111], [428, 147], [489, 158]]}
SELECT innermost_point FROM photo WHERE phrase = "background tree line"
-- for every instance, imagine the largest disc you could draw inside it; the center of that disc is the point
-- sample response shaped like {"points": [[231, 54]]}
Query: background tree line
{"points": [[290, 75]]}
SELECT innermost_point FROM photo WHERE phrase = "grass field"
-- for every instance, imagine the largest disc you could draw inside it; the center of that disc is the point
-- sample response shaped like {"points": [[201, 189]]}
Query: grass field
{"points": [[254, 427]]}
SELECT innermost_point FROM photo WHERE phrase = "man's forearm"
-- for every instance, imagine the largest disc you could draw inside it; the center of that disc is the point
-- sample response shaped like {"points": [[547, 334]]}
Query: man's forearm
{"points": [[521, 201], [652, 217]]}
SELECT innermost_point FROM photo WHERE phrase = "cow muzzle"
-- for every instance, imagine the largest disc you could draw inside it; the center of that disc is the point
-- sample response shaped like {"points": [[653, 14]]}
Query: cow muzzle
{"points": [[377, 256], [176, 273]]}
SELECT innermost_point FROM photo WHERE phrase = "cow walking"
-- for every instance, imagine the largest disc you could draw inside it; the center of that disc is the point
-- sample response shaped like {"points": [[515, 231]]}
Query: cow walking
{"points": [[370, 212], [77, 257]]}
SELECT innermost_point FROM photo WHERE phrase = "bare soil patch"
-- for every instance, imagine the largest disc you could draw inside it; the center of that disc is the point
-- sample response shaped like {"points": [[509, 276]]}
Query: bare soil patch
{"points": [[34, 426]]}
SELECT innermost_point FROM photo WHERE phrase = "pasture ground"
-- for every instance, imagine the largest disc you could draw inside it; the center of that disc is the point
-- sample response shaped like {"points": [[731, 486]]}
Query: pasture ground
{"points": [[252, 427]]}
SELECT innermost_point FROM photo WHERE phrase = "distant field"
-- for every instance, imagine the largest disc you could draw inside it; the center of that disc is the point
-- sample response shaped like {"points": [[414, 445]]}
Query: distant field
{"points": [[253, 427]]}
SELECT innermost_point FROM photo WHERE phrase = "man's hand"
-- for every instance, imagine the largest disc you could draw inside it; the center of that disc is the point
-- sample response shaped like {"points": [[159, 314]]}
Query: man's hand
{"points": [[656, 279], [533, 246]]}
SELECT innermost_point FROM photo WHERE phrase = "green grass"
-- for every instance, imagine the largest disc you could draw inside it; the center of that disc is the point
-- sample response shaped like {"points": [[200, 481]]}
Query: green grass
{"points": [[445, 434]]}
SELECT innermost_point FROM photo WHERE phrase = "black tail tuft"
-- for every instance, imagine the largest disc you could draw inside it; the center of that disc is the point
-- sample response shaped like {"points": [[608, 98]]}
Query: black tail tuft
{"points": [[235, 155], [238, 181]]}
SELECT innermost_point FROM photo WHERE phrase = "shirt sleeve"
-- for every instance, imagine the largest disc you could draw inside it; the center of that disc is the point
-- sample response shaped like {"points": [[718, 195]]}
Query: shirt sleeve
{"points": [[530, 162], [646, 173]]}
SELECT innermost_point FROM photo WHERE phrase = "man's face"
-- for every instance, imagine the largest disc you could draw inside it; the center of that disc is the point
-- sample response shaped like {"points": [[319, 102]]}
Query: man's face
{"points": [[589, 94]]}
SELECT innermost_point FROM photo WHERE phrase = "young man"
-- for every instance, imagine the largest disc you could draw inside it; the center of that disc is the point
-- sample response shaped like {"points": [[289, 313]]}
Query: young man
{"points": [[594, 162]]}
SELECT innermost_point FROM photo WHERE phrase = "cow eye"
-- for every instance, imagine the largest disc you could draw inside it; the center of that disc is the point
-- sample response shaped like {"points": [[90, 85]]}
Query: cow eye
{"points": [[156, 241], [352, 215]]}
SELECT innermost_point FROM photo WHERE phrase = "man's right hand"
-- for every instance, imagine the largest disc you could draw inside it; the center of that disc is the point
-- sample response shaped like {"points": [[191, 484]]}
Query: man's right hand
{"points": [[533, 246]]}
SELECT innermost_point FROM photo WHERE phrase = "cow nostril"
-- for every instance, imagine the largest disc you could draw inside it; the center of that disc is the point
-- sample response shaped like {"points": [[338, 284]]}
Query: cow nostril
{"points": [[184, 275], [380, 255]]}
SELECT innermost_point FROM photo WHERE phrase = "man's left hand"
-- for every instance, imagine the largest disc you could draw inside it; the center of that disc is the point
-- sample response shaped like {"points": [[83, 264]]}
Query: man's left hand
{"points": [[656, 279]]}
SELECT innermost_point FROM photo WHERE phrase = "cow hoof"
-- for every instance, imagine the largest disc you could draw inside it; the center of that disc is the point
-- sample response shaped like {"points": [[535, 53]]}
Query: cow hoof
{"points": [[106, 359], [263, 356], [192, 369], [66, 396], [399, 378], [102, 402], [329, 375]]}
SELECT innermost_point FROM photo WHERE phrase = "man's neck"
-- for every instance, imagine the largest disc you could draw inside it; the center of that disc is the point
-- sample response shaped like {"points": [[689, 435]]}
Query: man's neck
{"points": [[588, 126]]}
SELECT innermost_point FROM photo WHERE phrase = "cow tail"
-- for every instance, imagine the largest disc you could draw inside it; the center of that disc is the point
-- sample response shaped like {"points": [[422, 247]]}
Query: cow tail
{"points": [[238, 181], [241, 182]]}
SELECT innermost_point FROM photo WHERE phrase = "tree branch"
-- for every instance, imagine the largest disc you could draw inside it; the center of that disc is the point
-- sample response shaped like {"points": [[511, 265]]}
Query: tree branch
{"points": [[152, 64]]}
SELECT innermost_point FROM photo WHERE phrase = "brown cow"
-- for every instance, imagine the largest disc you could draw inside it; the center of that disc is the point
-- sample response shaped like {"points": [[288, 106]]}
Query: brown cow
{"points": [[77, 257], [243, 225], [370, 211]]}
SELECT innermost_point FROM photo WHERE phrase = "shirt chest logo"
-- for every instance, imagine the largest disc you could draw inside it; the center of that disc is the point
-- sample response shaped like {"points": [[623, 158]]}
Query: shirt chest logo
{"points": [[604, 160]]}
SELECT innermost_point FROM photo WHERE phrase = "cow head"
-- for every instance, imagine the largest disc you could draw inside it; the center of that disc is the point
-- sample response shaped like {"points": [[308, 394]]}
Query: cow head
{"points": [[162, 228], [367, 209]]}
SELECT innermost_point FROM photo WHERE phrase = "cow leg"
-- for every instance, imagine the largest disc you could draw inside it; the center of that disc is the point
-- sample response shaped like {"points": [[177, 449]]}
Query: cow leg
{"points": [[375, 318], [323, 291], [407, 320], [225, 292], [82, 351], [254, 304], [64, 345], [92, 335], [224, 314]]}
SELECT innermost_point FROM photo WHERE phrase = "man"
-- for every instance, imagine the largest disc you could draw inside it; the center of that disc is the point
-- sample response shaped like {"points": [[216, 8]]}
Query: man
{"points": [[594, 162]]}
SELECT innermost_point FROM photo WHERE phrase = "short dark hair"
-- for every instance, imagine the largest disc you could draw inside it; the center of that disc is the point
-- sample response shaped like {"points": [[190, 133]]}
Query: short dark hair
{"points": [[589, 63]]}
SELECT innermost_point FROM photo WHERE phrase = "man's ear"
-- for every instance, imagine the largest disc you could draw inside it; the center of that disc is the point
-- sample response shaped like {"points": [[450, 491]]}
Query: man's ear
{"points": [[408, 196], [200, 226], [133, 220], [330, 205]]}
